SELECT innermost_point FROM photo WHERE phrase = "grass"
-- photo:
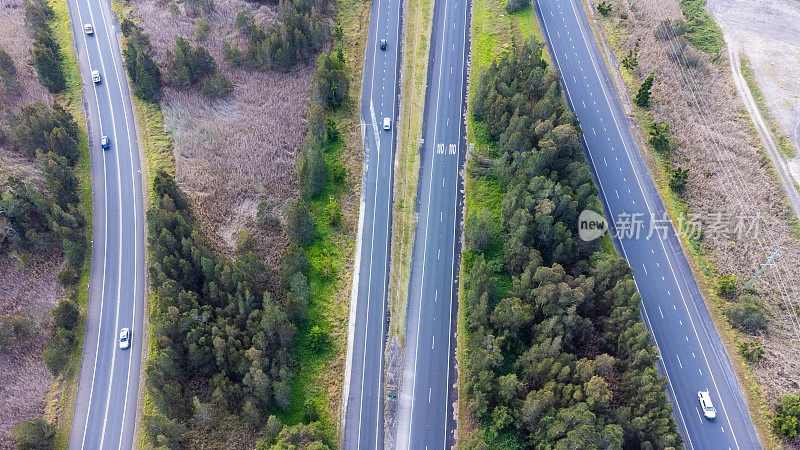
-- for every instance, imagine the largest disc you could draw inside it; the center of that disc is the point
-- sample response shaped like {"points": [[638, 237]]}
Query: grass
{"points": [[785, 147], [72, 99], [493, 32], [701, 262], [701, 30], [404, 219]]}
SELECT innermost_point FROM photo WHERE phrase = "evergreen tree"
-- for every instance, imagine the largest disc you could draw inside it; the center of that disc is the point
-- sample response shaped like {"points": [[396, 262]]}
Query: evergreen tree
{"points": [[643, 95]]}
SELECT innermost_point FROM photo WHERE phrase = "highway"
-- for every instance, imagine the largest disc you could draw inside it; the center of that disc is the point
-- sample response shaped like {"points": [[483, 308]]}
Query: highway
{"points": [[363, 384], [425, 410], [105, 410], [692, 355]]}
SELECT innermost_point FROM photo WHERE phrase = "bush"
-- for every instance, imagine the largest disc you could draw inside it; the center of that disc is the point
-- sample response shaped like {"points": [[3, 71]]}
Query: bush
{"points": [[726, 284], [482, 232], [36, 434], [201, 29], [747, 315], [678, 180], [787, 416], [752, 351], [14, 329], [66, 314], [217, 86], [643, 96], [333, 212], [8, 73], [604, 8], [264, 216], [513, 6], [659, 136], [55, 359], [68, 277], [317, 338]]}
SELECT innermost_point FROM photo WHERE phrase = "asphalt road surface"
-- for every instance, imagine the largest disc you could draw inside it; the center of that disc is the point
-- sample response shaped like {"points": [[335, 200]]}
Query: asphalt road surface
{"points": [[105, 410], [363, 408], [692, 355], [425, 404]]}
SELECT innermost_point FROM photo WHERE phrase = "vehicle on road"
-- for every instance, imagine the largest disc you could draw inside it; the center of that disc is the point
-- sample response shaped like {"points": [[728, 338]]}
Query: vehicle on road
{"points": [[124, 338], [105, 142], [384, 44], [88, 28], [95, 76], [705, 404], [387, 123]]}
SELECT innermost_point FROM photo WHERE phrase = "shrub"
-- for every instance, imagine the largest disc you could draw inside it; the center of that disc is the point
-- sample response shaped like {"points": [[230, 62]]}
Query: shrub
{"points": [[333, 212], [604, 8], [317, 338], [201, 29], [659, 136], [482, 231], [338, 171], [299, 225], [36, 434], [14, 329], [55, 359], [513, 6], [8, 73], [68, 277], [751, 351], [47, 60], [787, 416], [264, 216], [232, 54], [678, 180], [217, 86], [66, 314], [747, 315], [643, 96], [726, 284], [311, 167]]}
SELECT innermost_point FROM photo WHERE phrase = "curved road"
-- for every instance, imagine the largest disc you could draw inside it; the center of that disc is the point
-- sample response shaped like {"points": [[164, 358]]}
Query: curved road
{"points": [[692, 354], [105, 409], [363, 395]]}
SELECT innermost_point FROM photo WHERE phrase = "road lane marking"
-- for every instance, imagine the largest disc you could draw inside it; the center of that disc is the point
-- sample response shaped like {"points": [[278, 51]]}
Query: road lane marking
{"points": [[679, 361], [661, 312]]}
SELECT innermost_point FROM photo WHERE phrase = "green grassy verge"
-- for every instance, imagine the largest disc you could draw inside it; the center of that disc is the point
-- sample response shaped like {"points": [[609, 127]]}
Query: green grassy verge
{"points": [[416, 50], [493, 32], [700, 260], [786, 148], [72, 100], [701, 30]]}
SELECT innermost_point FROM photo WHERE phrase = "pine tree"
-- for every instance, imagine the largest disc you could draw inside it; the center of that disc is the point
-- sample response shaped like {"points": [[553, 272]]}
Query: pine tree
{"points": [[643, 96]]}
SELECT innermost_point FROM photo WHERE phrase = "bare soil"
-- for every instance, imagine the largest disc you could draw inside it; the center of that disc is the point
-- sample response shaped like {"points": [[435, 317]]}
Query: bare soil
{"points": [[28, 285], [232, 154], [730, 174]]}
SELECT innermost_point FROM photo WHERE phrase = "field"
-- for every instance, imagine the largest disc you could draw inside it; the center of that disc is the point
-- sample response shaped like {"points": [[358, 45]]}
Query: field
{"points": [[730, 176]]}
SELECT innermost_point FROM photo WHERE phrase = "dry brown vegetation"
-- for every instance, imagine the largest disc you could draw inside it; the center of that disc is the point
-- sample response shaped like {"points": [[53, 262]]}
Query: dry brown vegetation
{"points": [[28, 285], [232, 154], [729, 173]]}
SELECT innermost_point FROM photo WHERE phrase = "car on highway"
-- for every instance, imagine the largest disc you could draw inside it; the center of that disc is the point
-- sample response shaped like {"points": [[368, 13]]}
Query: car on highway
{"points": [[384, 44], [105, 142], [387, 123], [88, 28], [95, 76], [124, 338], [705, 404]]}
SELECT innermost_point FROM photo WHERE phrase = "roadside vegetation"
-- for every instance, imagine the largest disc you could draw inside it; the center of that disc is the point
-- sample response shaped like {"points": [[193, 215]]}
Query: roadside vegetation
{"points": [[704, 153], [555, 351], [259, 271], [45, 221]]}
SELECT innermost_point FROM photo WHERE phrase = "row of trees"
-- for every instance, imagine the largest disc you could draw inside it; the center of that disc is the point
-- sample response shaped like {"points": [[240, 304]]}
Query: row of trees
{"points": [[46, 52], [555, 352], [142, 70]]}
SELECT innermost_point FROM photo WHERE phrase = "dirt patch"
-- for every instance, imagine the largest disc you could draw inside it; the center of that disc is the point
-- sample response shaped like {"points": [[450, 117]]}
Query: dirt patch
{"points": [[729, 174], [231, 155]]}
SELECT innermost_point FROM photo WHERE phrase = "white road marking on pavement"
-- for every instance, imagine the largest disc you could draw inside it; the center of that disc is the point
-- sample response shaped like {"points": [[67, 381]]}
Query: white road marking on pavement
{"points": [[661, 312], [679, 361]]}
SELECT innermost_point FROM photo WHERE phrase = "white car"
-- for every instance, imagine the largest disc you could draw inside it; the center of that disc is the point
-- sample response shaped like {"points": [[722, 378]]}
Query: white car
{"points": [[705, 404], [95, 76], [124, 338], [387, 123], [88, 28]]}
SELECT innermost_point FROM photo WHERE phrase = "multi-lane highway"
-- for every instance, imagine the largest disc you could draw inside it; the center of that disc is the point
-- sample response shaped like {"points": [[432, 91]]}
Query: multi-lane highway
{"points": [[425, 409], [692, 355], [363, 405], [105, 409]]}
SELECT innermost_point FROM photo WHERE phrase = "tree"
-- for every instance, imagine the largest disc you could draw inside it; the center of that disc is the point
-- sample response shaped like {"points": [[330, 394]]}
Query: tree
{"points": [[190, 65], [333, 212], [299, 225], [482, 232], [331, 83], [66, 314], [311, 167], [217, 86], [55, 359], [35, 434], [678, 180], [659, 136], [604, 8], [513, 6], [265, 216], [643, 96], [47, 60]]}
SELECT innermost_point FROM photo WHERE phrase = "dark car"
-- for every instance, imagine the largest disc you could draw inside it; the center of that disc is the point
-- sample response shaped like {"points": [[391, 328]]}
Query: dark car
{"points": [[105, 142], [384, 43]]}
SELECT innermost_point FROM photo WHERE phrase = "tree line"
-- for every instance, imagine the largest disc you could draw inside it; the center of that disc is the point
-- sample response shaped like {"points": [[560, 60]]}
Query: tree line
{"points": [[555, 352], [46, 52]]}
